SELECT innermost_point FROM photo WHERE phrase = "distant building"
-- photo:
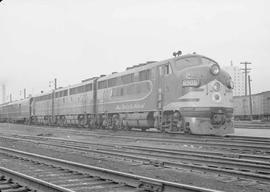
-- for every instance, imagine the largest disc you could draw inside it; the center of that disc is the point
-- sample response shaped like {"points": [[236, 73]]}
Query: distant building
{"points": [[3, 93], [238, 79]]}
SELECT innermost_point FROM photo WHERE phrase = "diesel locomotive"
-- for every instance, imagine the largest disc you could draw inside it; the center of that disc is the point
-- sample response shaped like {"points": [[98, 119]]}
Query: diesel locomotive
{"points": [[187, 93]]}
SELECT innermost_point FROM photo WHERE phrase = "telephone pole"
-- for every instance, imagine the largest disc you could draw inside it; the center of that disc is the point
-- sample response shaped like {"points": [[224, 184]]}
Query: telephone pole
{"points": [[246, 71], [24, 93], [3, 93], [55, 83], [250, 99]]}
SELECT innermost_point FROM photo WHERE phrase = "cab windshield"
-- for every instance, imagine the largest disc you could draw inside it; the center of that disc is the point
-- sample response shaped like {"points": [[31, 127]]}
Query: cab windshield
{"points": [[192, 61], [206, 61], [187, 62]]}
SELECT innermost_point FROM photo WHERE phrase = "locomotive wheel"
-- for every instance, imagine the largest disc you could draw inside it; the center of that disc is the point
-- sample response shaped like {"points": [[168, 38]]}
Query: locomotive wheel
{"points": [[162, 129], [60, 122], [64, 121], [125, 125], [86, 125], [187, 131], [92, 123], [104, 124], [115, 122], [82, 121]]}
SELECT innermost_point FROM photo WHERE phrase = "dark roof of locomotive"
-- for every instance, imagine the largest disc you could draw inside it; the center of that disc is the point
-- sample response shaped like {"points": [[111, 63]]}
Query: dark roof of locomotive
{"points": [[145, 66]]}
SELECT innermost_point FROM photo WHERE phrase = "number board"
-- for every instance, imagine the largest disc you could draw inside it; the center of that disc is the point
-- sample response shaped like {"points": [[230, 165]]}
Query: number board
{"points": [[191, 83]]}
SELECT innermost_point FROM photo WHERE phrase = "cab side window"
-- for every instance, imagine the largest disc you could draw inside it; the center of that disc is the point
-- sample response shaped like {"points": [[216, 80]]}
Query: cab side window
{"points": [[165, 69], [144, 75]]}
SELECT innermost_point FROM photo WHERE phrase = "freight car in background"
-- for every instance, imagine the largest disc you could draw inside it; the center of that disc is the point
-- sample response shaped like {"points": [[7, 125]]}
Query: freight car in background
{"points": [[260, 107], [188, 93]]}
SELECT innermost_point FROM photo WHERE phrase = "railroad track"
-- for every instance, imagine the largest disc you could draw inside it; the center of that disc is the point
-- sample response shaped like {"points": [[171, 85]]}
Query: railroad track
{"points": [[227, 164], [185, 151], [70, 176], [13, 181], [157, 135], [228, 146], [238, 144], [166, 135], [250, 125]]}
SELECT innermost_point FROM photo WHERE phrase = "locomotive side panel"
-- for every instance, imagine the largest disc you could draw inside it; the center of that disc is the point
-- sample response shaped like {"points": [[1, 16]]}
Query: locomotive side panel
{"points": [[42, 109], [126, 93], [25, 111], [65, 106], [80, 99], [3, 111], [127, 100], [60, 102], [131, 97]]}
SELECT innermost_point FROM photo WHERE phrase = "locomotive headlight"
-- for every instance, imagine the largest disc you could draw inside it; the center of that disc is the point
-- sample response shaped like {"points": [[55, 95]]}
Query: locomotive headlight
{"points": [[216, 97], [230, 84], [216, 86], [214, 69]]}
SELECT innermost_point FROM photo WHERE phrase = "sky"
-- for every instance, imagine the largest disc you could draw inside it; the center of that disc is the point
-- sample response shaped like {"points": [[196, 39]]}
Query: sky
{"points": [[72, 40]]}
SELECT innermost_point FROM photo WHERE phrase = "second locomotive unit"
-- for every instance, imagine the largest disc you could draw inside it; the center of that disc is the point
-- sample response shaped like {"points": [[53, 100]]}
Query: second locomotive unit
{"points": [[188, 93]]}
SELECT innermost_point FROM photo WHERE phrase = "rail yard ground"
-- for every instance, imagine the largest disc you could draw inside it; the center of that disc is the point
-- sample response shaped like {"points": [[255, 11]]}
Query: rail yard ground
{"points": [[255, 128], [92, 148], [252, 132]]}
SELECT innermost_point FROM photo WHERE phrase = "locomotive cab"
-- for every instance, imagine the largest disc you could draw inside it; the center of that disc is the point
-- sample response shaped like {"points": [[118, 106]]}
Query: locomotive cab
{"points": [[202, 96]]}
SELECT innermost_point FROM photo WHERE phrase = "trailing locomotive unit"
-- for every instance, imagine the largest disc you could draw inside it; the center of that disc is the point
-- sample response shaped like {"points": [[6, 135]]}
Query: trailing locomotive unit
{"points": [[188, 93], [16, 112]]}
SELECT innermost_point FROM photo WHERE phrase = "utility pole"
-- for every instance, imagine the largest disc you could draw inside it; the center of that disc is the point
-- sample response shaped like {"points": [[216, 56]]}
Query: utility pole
{"points": [[53, 120], [55, 83], [3, 93], [246, 71], [250, 100], [24, 93]]}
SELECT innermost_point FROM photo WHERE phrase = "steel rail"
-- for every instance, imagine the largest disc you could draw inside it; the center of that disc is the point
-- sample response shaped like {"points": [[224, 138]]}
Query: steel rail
{"points": [[248, 138], [121, 177], [225, 145], [31, 182], [202, 153], [80, 131], [181, 138], [216, 164]]}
